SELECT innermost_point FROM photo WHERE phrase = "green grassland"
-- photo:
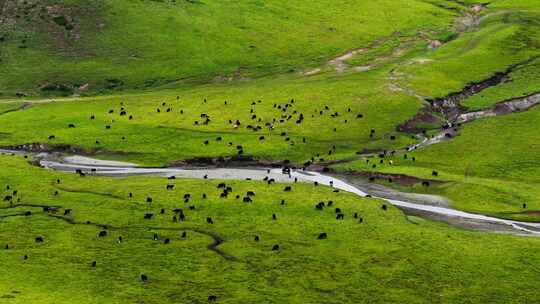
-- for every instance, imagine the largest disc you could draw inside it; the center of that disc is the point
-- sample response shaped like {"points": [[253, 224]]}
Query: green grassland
{"points": [[502, 37], [232, 60], [491, 167], [410, 259], [524, 81], [191, 42], [158, 138], [501, 40]]}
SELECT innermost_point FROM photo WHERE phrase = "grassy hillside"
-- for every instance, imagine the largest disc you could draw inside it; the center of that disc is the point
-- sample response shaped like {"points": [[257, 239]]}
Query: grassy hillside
{"points": [[402, 68], [491, 166], [65, 46], [407, 258], [182, 80]]}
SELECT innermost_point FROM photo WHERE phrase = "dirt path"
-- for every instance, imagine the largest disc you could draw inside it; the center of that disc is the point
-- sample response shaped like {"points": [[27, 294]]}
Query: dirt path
{"points": [[217, 239], [339, 64], [469, 20]]}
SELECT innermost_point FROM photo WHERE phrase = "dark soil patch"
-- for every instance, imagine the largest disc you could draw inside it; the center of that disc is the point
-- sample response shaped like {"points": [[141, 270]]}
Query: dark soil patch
{"points": [[228, 161], [57, 88], [414, 125], [46, 148], [400, 179]]}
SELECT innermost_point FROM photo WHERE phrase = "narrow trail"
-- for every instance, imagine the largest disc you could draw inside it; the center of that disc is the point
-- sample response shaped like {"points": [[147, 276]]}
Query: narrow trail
{"points": [[470, 19], [216, 238], [340, 65], [404, 201]]}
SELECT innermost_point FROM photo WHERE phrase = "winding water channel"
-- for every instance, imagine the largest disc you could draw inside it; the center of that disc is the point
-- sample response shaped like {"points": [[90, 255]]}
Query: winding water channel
{"points": [[405, 201]]}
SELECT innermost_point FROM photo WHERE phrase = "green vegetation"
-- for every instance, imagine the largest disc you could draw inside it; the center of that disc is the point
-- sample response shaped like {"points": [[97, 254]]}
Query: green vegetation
{"points": [[9, 107], [522, 82], [407, 258], [491, 167], [158, 138], [112, 45], [173, 82], [501, 41]]}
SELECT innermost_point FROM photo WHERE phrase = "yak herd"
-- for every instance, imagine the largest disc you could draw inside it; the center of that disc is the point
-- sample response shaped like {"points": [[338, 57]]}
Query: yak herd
{"points": [[255, 123], [283, 113], [179, 215]]}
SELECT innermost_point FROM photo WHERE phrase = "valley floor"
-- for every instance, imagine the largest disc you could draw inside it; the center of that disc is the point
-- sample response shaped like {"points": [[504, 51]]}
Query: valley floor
{"points": [[435, 116]]}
